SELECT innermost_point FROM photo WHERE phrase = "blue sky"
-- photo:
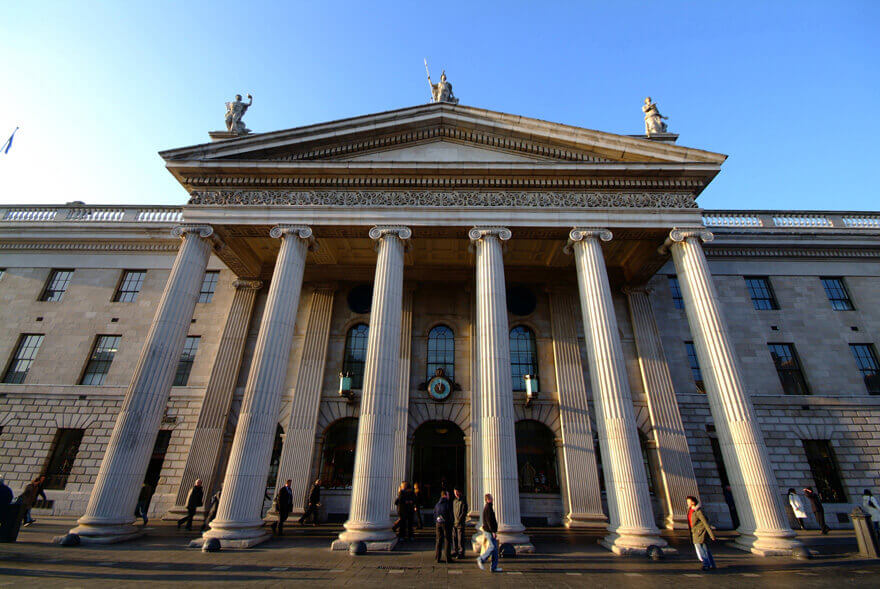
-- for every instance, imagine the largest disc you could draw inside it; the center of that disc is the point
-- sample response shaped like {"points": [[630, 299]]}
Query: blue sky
{"points": [[788, 89]]}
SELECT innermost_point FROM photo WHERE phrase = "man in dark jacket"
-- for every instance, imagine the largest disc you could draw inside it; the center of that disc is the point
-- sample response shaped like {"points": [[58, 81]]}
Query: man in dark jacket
{"points": [[194, 500], [459, 521], [406, 508], [313, 502], [211, 510], [443, 521], [817, 508], [29, 496], [143, 504], [283, 506], [700, 528], [489, 525]]}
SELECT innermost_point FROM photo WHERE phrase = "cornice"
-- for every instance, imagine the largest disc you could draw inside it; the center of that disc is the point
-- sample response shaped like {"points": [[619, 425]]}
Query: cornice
{"points": [[789, 252], [96, 246]]}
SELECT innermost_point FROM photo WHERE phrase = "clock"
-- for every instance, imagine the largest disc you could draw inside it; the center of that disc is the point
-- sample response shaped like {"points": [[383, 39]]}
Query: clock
{"points": [[439, 387]]}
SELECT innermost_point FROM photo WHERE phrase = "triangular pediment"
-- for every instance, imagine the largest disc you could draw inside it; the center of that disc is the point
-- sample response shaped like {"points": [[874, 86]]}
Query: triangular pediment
{"points": [[442, 133]]}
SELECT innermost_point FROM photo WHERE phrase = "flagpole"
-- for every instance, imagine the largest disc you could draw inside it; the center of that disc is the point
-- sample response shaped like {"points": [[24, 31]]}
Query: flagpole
{"points": [[8, 144]]}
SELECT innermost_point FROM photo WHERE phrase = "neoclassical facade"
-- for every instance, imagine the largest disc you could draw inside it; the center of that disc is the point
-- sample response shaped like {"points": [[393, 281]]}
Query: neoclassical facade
{"points": [[452, 296]]}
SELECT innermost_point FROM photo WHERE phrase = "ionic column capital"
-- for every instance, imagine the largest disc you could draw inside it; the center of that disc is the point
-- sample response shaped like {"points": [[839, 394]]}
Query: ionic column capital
{"points": [[247, 283], [399, 231], [203, 231], [579, 234], [679, 234], [478, 233], [303, 232]]}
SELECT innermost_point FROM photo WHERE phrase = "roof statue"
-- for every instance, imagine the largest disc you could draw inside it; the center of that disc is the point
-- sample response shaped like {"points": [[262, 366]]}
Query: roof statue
{"points": [[234, 112], [442, 90], [654, 124]]}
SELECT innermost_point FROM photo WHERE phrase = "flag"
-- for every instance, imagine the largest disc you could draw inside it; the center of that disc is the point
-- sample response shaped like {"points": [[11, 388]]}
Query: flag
{"points": [[8, 143]]}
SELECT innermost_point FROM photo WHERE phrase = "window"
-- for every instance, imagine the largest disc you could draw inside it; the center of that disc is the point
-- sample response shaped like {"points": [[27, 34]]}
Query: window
{"points": [[209, 284], [826, 473], [56, 285], [762, 293], [356, 354], [337, 455], [837, 294], [866, 360], [523, 356], [536, 457], [64, 449], [100, 360], [275, 460], [28, 346], [695, 366], [441, 352], [789, 369], [129, 286], [181, 377], [677, 300]]}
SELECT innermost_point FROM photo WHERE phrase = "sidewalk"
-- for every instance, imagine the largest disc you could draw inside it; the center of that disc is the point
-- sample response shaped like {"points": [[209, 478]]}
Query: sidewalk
{"points": [[563, 559]]}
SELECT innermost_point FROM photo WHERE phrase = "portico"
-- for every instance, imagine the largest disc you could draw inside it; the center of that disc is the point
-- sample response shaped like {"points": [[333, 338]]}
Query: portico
{"points": [[445, 207]]}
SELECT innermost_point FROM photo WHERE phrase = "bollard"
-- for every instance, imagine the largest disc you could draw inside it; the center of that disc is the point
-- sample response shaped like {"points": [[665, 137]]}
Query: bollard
{"points": [[865, 535]]}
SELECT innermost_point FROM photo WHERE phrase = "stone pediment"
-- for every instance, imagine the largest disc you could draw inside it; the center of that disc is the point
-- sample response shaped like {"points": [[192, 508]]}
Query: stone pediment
{"points": [[440, 150]]}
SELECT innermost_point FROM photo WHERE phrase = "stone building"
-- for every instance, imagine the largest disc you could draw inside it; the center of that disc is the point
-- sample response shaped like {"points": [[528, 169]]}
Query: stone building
{"points": [[447, 295]]}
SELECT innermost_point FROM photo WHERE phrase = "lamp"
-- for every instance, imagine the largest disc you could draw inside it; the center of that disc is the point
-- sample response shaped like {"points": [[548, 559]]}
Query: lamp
{"points": [[345, 387], [531, 388]]}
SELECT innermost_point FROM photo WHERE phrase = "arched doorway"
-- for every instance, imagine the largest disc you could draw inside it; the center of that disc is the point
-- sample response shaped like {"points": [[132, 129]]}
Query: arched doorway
{"points": [[438, 458]]}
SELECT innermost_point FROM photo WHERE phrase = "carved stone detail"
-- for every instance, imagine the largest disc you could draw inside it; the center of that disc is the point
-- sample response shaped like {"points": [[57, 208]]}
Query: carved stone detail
{"points": [[203, 231], [426, 198], [477, 233], [248, 284], [679, 234], [380, 231]]}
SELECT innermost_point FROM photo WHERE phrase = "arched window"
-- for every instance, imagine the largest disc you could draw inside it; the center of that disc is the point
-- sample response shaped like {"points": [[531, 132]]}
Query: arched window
{"points": [[356, 354], [441, 352], [523, 355], [337, 457], [536, 457]]}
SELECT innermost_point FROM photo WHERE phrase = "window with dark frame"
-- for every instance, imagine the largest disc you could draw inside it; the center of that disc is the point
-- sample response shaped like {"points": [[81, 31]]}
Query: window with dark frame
{"points": [[523, 356], [788, 368], [129, 286], [65, 447], [20, 364], [837, 294], [337, 453], [209, 285], [677, 300], [187, 357], [695, 366], [355, 356], [441, 352], [825, 470], [866, 360], [100, 360], [536, 457], [761, 293], [56, 285]]}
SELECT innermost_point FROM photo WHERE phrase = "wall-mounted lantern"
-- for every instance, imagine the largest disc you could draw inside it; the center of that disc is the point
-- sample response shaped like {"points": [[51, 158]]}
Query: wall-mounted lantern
{"points": [[531, 388], [345, 387]]}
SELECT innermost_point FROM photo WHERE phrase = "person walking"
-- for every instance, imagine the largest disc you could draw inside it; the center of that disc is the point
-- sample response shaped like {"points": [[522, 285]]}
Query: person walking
{"points": [[211, 510], [700, 528], [817, 508], [194, 500], [489, 525], [313, 502], [443, 521], [459, 522], [798, 507], [283, 505], [872, 506], [420, 502], [143, 504], [29, 496], [406, 511]]}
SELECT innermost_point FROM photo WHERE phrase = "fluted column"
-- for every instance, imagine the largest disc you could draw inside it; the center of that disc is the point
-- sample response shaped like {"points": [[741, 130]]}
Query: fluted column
{"points": [[763, 525], [630, 517], [110, 512], [372, 484], [402, 406], [299, 440], [583, 494], [239, 522], [207, 441], [500, 476], [475, 482], [676, 470]]}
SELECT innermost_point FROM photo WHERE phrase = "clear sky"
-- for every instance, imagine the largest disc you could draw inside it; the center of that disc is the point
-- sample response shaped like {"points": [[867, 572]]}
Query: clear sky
{"points": [[788, 89]]}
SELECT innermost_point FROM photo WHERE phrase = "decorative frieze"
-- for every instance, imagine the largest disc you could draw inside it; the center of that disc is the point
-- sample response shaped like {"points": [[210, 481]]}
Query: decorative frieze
{"points": [[429, 198]]}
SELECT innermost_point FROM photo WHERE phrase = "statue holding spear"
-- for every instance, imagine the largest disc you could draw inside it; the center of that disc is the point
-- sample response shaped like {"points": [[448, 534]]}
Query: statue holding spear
{"points": [[442, 90]]}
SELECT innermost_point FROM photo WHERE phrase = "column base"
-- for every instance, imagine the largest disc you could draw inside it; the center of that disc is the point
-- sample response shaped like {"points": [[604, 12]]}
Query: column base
{"points": [[377, 537], [234, 534], [764, 545], [94, 531], [630, 544], [595, 521], [372, 546]]}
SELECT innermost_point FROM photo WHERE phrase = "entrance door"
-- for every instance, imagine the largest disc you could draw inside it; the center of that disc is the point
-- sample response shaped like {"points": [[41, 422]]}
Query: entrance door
{"points": [[438, 458]]}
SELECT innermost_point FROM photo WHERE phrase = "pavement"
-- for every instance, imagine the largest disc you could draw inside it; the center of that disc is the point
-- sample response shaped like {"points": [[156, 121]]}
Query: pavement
{"points": [[563, 558]]}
